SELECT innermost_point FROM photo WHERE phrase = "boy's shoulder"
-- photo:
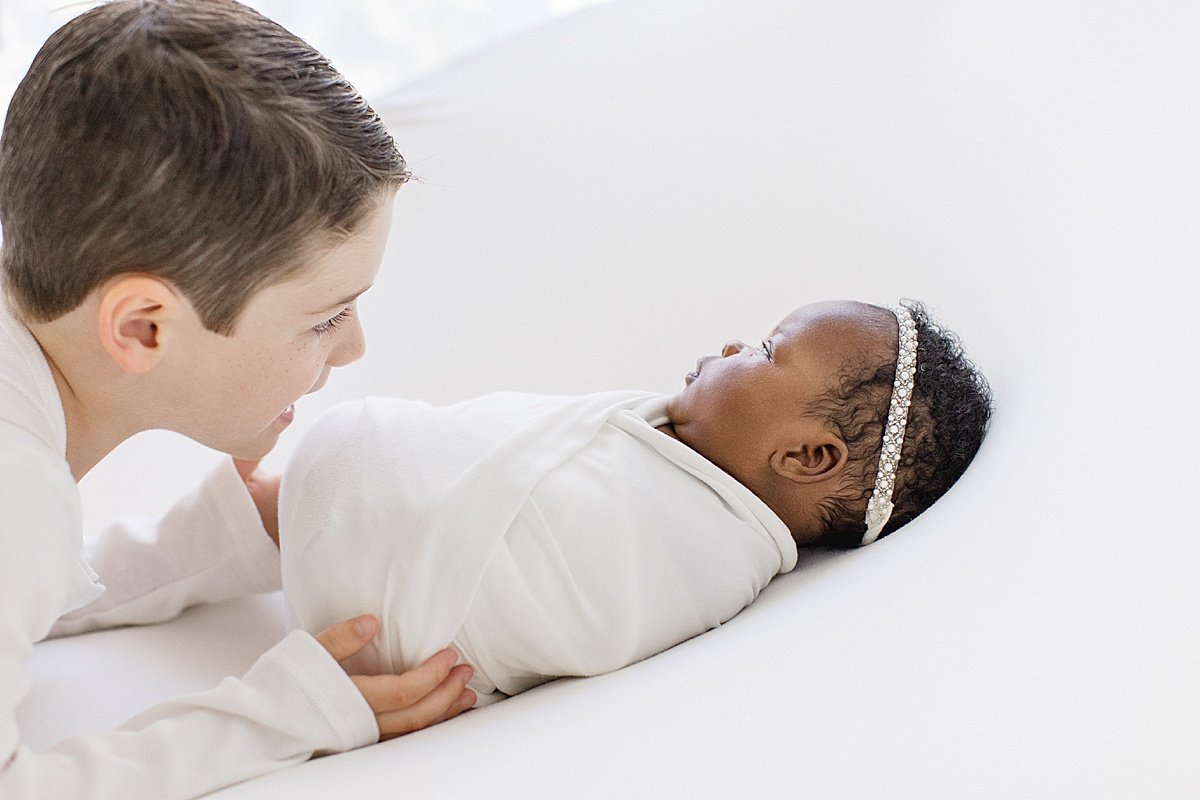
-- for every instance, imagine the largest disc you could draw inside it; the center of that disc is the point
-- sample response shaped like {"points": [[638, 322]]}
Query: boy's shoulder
{"points": [[39, 500], [31, 414]]}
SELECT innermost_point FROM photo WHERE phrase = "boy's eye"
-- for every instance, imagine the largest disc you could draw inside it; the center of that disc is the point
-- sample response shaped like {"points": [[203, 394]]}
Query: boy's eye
{"points": [[767, 351], [332, 323]]}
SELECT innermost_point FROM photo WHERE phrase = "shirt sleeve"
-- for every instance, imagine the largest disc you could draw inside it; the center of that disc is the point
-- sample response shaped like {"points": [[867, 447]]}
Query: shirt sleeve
{"points": [[209, 547], [296, 701]]}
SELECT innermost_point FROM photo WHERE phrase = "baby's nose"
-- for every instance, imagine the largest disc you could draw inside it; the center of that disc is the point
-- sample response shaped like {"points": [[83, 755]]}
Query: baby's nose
{"points": [[731, 348]]}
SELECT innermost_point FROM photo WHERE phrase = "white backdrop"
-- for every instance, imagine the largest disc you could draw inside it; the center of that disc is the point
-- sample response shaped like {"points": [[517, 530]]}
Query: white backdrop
{"points": [[607, 197], [378, 44]]}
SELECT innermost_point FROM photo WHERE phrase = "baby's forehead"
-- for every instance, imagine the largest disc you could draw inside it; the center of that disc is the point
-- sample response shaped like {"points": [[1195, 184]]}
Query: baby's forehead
{"points": [[838, 338], [839, 318]]}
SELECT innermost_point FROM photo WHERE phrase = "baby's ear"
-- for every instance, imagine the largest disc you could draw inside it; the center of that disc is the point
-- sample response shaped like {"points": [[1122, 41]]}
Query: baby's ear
{"points": [[130, 318], [812, 460]]}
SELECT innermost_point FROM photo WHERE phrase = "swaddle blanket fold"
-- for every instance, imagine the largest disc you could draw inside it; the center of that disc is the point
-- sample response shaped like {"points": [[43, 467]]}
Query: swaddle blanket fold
{"points": [[542, 536]]}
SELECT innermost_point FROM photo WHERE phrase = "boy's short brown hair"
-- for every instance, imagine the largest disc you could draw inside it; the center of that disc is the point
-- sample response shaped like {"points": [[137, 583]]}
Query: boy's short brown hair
{"points": [[195, 140]]}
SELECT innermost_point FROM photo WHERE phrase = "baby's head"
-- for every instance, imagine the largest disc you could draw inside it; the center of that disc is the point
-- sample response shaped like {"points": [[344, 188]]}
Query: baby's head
{"points": [[800, 419]]}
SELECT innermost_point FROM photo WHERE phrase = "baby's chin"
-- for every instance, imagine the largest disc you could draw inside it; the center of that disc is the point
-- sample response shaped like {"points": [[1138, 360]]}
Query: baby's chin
{"points": [[677, 419], [688, 395], [675, 404]]}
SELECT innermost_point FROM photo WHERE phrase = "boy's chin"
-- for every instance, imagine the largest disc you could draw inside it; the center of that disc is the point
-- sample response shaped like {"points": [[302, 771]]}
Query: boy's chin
{"points": [[261, 444], [256, 449]]}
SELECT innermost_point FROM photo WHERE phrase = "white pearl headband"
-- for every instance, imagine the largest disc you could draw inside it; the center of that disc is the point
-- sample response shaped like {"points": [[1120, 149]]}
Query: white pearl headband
{"points": [[879, 507]]}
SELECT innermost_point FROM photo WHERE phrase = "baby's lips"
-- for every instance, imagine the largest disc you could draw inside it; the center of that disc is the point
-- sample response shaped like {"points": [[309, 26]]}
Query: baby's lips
{"points": [[700, 362]]}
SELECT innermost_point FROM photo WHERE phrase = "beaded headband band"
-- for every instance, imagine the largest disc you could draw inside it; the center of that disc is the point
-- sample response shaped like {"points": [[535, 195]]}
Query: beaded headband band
{"points": [[879, 507]]}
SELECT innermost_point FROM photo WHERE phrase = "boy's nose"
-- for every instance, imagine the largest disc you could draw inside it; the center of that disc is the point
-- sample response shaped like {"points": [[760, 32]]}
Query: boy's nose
{"points": [[731, 348], [352, 347]]}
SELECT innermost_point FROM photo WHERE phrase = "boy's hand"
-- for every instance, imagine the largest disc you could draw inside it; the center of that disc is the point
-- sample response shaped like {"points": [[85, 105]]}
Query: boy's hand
{"points": [[264, 489], [425, 695]]}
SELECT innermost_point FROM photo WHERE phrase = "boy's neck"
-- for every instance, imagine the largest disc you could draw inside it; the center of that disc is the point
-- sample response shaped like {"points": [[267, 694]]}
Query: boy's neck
{"points": [[87, 398]]}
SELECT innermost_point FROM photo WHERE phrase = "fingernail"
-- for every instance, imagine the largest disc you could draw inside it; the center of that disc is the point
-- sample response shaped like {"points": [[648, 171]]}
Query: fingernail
{"points": [[364, 626]]}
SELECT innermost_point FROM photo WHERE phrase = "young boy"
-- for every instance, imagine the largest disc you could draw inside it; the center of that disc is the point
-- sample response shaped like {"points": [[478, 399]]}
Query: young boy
{"points": [[191, 199], [551, 536]]}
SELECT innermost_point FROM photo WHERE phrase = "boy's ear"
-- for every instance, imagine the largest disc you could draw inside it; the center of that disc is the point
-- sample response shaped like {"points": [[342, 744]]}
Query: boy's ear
{"points": [[811, 460], [130, 318]]}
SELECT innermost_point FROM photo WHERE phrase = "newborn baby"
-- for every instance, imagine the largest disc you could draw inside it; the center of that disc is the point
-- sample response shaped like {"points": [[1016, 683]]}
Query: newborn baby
{"points": [[553, 536]]}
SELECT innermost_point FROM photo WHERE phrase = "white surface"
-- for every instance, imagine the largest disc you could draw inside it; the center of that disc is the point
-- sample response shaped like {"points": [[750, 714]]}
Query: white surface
{"points": [[606, 198]]}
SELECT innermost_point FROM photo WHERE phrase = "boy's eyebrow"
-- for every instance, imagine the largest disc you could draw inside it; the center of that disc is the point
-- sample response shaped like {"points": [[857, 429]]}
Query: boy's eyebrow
{"points": [[343, 302]]}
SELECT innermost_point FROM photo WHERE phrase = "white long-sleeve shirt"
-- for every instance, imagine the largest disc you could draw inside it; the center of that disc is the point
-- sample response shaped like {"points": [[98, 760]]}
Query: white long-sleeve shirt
{"points": [[296, 701]]}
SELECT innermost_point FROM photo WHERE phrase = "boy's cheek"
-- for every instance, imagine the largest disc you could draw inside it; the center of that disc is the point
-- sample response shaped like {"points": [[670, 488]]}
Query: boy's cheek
{"points": [[320, 384]]}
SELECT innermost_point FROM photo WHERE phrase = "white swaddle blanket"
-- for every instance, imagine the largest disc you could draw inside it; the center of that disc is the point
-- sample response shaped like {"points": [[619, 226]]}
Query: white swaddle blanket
{"points": [[541, 536]]}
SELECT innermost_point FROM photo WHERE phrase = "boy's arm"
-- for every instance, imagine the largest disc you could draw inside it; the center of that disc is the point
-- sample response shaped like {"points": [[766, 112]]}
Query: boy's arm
{"points": [[209, 547], [295, 701]]}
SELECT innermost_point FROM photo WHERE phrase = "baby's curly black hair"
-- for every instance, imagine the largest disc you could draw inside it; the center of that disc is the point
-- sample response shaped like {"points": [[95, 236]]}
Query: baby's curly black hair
{"points": [[948, 418]]}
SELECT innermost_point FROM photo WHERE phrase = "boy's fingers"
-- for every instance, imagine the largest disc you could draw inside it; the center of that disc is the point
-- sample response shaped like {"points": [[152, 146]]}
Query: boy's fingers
{"points": [[348, 637], [466, 700], [445, 701], [396, 692]]}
